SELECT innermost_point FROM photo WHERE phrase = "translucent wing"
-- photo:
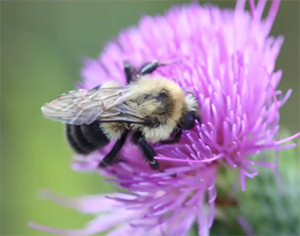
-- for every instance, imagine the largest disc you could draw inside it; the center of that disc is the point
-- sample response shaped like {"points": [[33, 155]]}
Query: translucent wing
{"points": [[85, 106], [124, 113]]}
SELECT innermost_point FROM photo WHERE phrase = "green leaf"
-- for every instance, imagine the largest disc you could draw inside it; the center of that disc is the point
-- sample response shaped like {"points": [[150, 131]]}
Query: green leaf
{"points": [[270, 203]]}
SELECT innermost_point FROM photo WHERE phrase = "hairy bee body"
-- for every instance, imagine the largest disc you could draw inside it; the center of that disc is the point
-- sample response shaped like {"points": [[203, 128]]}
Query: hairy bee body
{"points": [[152, 109], [85, 139], [159, 100]]}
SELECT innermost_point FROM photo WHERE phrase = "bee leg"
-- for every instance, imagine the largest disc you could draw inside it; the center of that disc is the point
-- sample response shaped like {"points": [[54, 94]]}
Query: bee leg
{"points": [[150, 67], [128, 70], [109, 158], [146, 149], [97, 87], [149, 154], [176, 138]]}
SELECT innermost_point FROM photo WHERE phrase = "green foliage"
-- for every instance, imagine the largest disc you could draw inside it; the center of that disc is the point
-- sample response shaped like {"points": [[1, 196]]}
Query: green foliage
{"points": [[270, 204]]}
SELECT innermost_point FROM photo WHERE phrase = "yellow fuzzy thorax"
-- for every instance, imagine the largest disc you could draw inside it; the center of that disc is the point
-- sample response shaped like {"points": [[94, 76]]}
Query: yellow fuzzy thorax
{"points": [[155, 85]]}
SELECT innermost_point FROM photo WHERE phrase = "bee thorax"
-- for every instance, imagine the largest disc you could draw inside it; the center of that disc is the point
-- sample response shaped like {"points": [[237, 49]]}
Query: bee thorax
{"points": [[159, 133]]}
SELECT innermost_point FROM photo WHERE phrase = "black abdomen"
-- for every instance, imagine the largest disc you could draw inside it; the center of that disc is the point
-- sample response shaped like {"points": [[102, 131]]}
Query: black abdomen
{"points": [[85, 139]]}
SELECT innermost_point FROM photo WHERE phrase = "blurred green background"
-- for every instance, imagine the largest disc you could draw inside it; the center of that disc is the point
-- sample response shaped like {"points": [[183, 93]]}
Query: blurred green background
{"points": [[42, 43]]}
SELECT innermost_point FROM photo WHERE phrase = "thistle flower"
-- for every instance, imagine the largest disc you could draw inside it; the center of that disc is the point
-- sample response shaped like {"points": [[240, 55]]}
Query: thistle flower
{"points": [[227, 60]]}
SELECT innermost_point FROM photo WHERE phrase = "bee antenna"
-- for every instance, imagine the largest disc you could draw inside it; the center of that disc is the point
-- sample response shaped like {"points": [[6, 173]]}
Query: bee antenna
{"points": [[170, 62]]}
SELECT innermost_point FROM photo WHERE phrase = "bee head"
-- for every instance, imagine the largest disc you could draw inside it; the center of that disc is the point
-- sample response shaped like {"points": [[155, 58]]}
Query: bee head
{"points": [[188, 121], [190, 113]]}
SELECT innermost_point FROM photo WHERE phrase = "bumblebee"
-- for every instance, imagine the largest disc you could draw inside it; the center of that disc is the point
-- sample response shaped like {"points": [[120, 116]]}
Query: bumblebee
{"points": [[152, 109]]}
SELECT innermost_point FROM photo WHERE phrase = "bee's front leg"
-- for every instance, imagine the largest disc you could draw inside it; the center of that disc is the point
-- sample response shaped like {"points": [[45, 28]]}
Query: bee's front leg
{"points": [[146, 149]]}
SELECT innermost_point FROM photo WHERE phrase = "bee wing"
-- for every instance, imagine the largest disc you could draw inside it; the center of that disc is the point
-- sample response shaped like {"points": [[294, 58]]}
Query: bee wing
{"points": [[123, 113], [85, 106]]}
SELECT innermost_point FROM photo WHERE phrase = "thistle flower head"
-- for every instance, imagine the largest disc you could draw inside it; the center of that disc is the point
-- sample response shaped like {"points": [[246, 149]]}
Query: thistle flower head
{"points": [[227, 59]]}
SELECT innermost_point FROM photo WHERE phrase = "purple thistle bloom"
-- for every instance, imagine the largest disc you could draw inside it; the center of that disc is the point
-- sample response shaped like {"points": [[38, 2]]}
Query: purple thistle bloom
{"points": [[227, 60]]}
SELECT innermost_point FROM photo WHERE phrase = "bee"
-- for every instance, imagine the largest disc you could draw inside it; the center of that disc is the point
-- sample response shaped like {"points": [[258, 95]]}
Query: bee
{"points": [[151, 109]]}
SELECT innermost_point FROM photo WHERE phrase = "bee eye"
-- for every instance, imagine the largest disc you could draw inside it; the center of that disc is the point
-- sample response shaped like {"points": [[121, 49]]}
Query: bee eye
{"points": [[188, 121]]}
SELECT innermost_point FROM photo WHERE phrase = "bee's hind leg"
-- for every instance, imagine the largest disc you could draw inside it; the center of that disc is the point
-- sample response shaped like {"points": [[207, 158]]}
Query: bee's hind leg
{"points": [[110, 157], [146, 149]]}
